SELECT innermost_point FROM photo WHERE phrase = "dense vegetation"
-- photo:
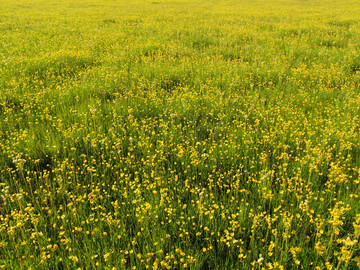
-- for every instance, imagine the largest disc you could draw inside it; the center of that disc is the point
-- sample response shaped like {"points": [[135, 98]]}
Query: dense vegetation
{"points": [[179, 134]]}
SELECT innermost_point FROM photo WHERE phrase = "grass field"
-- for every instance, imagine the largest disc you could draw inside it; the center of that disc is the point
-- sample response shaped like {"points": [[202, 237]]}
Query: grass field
{"points": [[163, 134]]}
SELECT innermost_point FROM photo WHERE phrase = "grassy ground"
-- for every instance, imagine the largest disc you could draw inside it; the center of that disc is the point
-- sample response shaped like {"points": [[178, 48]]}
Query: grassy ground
{"points": [[179, 134]]}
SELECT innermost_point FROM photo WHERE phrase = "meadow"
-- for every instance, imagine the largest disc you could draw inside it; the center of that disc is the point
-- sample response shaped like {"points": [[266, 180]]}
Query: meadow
{"points": [[160, 134]]}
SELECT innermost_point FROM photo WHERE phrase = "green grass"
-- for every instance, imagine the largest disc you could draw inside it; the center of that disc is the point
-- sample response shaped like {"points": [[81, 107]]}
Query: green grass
{"points": [[172, 135]]}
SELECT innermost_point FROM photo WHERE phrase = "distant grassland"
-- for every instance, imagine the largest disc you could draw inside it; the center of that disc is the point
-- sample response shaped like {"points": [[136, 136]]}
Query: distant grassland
{"points": [[179, 134]]}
